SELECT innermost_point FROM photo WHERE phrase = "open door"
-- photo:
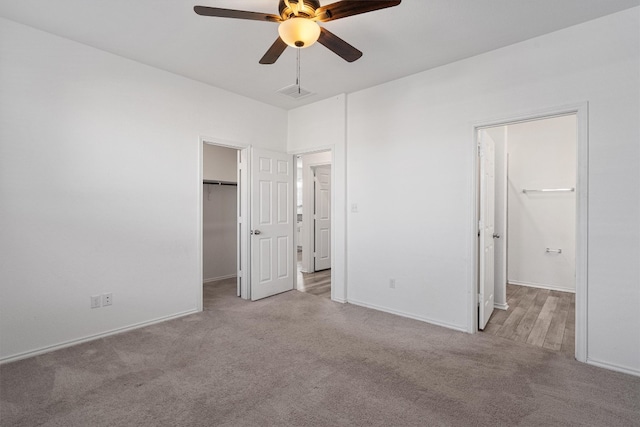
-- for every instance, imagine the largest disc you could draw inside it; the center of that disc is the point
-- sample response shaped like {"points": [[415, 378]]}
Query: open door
{"points": [[486, 228], [322, 218], [272, 223]]}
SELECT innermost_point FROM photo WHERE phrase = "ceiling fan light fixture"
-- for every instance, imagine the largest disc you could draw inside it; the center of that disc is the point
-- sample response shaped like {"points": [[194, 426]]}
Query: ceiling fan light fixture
{"points": [[299, 32]]}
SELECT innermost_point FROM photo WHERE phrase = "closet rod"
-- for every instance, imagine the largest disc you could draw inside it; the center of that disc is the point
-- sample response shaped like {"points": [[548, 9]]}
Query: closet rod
{"points": [[207, 181], [549, 190]]}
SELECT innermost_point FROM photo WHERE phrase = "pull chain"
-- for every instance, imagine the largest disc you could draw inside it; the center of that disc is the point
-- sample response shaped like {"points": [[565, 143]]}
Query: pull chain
{"points": [[298, 70]]}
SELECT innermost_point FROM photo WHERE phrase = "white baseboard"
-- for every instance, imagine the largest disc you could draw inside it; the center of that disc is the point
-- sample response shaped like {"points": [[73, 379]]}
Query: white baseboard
{"points": [[612, 367], [541, 286], [340, 300], [408, 315], [215, 279], [70, 343], [502, 306]]}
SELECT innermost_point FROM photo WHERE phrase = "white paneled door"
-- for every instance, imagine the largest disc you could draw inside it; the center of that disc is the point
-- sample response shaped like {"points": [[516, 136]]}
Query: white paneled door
{"points": [[322, 218], [486, 228], [272, 222]]}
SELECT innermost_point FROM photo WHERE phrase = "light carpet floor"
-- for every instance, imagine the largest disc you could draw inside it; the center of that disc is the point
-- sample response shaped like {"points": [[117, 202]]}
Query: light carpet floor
{"points": [[298, 360]]}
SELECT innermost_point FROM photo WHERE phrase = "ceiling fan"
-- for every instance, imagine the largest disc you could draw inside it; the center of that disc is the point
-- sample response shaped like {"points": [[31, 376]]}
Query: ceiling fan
{"points": [[299, 24]]}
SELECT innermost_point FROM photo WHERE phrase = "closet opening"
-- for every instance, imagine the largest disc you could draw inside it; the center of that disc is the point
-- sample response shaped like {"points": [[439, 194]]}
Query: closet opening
{"points": [[221, 225], [531, 231]]}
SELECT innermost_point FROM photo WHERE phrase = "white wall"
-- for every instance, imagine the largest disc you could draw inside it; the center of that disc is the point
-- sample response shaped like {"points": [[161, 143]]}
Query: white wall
{"points": [[219, 163], [219, 234], [86, 209], [542, 154], [410, 159], [327, 131]]}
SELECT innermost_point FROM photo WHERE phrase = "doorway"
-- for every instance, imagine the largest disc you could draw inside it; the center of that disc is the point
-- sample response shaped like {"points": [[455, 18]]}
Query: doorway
{"points": [[223, 205], [531, 230], [266, 219], [314, 219]]}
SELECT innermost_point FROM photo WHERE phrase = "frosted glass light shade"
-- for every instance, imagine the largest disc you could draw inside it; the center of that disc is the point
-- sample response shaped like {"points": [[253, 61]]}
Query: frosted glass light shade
{"points": [[299, 32]]}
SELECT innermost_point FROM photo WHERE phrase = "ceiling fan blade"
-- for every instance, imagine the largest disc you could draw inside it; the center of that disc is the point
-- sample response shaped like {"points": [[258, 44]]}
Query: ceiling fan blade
{"points": [[274, 52], [346, 8], [238, 14], [338, 46]]}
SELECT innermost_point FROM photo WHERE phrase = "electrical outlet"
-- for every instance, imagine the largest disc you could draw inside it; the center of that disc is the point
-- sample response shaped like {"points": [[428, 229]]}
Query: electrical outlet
{"points": [[107, 299], [354, 207], [96, 301], [392, 283]]}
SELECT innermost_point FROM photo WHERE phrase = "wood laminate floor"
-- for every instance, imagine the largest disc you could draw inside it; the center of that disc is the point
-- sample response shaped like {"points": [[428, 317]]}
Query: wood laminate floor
{"points": [[538, 317], [318, 283]]}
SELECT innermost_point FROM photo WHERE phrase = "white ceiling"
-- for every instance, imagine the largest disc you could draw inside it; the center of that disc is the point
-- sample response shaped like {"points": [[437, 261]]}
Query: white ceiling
{"points": [[415, 36]]}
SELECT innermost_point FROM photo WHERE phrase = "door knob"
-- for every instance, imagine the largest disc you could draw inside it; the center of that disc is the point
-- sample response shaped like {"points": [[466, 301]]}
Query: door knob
{"points": [[256, 232], [496, 236]]}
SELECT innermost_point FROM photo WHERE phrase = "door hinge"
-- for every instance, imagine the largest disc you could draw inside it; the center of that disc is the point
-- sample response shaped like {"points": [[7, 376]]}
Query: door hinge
{"points": [[479, 299]]}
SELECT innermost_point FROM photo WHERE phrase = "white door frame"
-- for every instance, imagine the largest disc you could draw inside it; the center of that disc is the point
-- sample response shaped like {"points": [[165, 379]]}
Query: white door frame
{"points": [[581, 110], [243, 200], [338, 287]]}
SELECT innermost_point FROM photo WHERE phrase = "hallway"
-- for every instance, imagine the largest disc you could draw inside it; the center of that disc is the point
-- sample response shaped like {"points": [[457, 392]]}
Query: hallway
{"points": [[318, 283]]}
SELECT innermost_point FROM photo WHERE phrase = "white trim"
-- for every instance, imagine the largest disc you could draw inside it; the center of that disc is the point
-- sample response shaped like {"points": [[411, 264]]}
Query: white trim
{"points": [[612, 367], [541, 286], [223, 142], [504, 306], [215, 279], [408, 315], [65, 344], [244, 252], [198, 289], [473, 277], [340, 166], [582, 230], [581, 111], [313, 150]]}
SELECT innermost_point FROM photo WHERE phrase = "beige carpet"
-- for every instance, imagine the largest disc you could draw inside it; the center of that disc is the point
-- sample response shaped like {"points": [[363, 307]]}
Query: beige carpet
{"points": [[299, 360]]}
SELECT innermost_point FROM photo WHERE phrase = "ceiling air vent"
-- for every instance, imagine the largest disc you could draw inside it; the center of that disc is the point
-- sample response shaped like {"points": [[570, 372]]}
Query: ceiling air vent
{"points": [[294, 92]]}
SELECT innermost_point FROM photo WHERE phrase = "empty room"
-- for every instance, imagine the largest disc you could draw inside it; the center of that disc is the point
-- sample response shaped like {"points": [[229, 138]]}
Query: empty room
{"points": [[264, 212]]}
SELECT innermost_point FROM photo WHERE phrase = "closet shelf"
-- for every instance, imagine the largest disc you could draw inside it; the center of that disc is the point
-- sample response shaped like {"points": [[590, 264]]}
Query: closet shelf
{"points": [[549, 190], [210, 182]]}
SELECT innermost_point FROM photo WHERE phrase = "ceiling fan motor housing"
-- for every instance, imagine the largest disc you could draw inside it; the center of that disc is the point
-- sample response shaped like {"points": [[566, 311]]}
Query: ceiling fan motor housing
{"points": [[307, 8]]}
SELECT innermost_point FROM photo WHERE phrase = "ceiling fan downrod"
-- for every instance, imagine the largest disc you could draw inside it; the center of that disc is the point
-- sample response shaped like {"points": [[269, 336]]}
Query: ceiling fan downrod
{"points": [[298, 72]]}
